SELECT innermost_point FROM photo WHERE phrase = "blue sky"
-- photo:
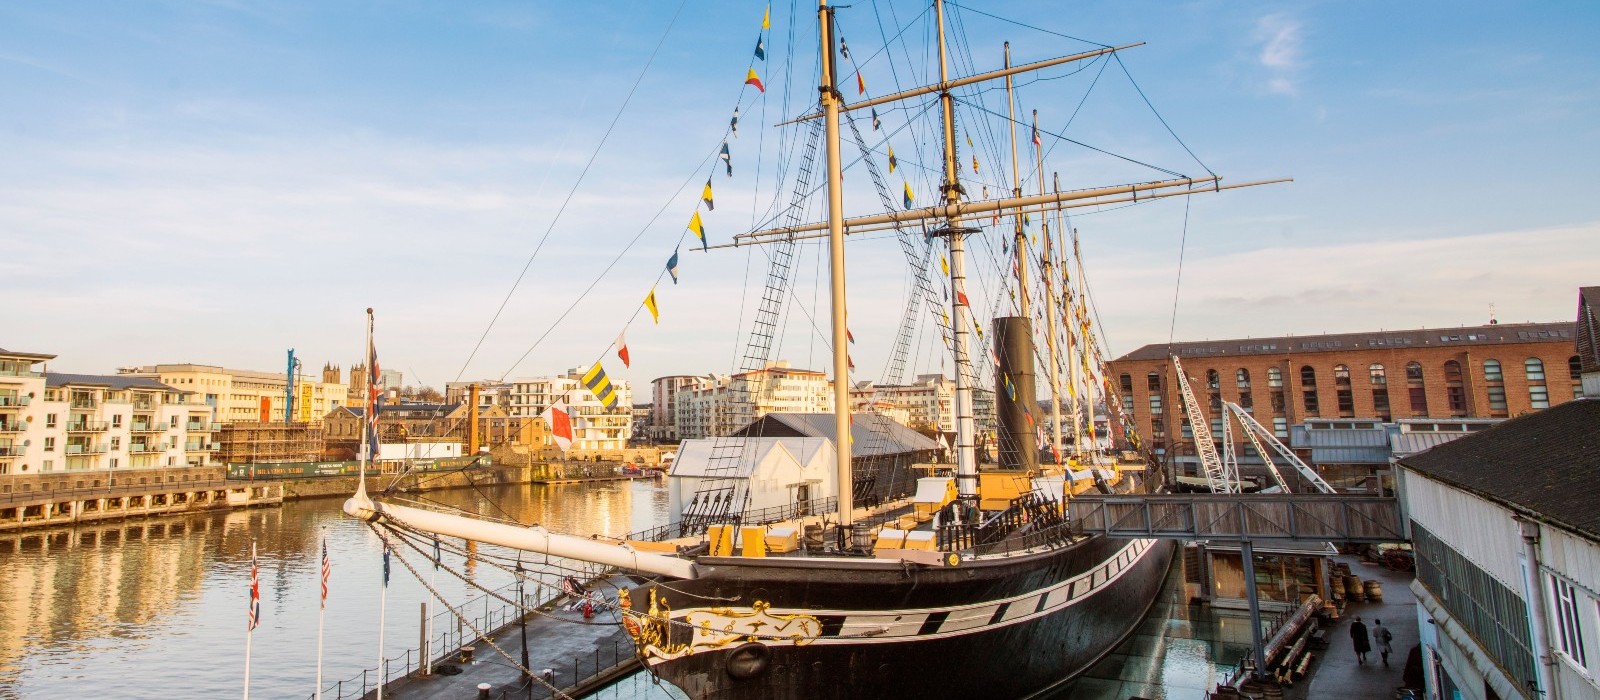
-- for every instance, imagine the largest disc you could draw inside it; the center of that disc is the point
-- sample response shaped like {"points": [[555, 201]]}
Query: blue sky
{"points": [[218, 181]]}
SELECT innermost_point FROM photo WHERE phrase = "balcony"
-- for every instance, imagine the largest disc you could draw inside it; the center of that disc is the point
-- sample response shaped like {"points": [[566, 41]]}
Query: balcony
{"points": [[13, 427], [9, 451], [138, 448], [86, 448], [144, 407], [14, 401], [87, 426], [202, 427], [200, 447], [83, 404], [149, 427]]}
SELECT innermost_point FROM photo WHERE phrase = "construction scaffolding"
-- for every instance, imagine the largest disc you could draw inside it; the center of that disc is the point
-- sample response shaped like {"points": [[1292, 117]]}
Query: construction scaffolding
{"points": [[260, 443]]}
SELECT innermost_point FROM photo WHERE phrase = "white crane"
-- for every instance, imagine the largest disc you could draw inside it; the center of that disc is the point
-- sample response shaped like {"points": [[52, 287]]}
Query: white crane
{"points": [[1204, 446], [1257, 432]]}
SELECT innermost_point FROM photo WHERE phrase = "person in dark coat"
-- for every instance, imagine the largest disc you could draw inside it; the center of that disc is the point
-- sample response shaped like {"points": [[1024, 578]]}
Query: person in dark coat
{"points": [[1358, 637], [1383, 637]]}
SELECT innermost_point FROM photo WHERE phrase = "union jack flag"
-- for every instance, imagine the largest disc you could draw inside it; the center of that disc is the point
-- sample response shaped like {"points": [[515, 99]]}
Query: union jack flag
{"points": [[255, 589], [327, 570], [374, 397]]}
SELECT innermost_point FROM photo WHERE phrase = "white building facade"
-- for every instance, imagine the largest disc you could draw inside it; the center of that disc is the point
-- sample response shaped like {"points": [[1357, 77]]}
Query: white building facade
{"points": [[721, 404], [594, 426], [1508, 557]]}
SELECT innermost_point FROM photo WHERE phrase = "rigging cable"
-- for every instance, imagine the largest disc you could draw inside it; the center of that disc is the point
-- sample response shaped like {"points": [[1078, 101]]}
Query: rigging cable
{"points": [[573, 191]]}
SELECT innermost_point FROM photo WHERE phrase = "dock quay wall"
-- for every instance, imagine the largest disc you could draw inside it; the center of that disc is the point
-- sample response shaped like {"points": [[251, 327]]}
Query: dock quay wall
{"points": [[52, 501]]}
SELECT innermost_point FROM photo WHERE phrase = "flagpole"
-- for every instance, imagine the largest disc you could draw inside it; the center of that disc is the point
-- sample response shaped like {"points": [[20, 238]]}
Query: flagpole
{"points": [[433, 584], [250, 629], [383, 604], [361, 486], [321, 613]]}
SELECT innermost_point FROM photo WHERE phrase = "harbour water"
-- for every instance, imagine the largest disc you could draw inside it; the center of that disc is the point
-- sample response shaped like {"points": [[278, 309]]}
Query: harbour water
{"points": [[157, 608]]}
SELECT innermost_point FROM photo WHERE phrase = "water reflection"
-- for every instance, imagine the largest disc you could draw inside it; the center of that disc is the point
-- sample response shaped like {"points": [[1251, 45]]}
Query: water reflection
{"points": [[157, 608]]}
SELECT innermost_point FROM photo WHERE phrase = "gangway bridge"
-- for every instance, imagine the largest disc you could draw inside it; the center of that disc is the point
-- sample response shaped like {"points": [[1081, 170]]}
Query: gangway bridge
{"points": [[1243, 519]]}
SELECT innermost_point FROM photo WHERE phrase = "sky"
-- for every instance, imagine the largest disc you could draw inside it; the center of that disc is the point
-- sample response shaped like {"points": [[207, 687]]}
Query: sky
{"points": [[220, 181]]}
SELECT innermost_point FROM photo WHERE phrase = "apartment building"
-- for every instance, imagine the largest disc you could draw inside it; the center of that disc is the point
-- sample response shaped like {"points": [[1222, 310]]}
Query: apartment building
{"points": [[595, 427], [664, 403], [90, 422], [22, 386], [251, 396], [718, 405]]}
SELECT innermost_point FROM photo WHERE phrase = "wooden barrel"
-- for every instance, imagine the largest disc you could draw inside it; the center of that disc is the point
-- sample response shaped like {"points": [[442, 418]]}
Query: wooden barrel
{"points": [[1374, 590], [1352, 588]]}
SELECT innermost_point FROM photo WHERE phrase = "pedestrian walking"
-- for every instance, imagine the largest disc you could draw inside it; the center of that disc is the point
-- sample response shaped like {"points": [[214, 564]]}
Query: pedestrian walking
{"points": [[1383, 636], [1358, 637]]}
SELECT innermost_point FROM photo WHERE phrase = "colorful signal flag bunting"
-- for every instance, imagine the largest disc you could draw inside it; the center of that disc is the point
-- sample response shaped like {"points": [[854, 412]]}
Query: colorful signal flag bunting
{"points": [[705, 196], [672, 266], [600, 385], [752, 79], [650, 303], [876, 122], [727, 158], [908, 195], [761, 49], [699, 228], [893, 162], [622, 349]]}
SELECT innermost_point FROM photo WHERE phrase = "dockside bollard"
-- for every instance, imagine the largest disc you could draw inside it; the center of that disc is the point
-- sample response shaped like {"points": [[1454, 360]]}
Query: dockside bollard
{"points": [[483, 691]]}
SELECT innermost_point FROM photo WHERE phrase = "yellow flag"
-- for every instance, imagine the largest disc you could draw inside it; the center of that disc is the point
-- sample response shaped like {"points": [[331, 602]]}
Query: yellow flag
{"points": [[698, 228], [705, 196], [892, 161], [944, 265], [974, 164], [766, 19], [650, 303]]}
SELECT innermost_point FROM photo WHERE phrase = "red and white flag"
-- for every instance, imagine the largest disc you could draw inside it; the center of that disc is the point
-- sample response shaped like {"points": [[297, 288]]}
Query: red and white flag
{"points": [[560, 420], [255, 589], [622, 349], [327, 570]]}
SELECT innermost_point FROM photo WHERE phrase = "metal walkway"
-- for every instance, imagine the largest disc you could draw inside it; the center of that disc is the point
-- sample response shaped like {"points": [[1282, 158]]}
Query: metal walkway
{"points": [[1238, 517]]}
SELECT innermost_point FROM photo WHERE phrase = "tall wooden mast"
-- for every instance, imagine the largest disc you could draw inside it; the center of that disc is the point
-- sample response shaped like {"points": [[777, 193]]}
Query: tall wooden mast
{"points": [[966, 438], [841, 343]]}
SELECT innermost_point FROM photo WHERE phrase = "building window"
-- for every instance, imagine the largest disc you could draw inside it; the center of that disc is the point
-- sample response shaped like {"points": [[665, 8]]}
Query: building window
{"points": [[1380, 403], [1308, 377], [1127, 383], [1155, 404], [1213, 381], [1452, 371], [116, 421], [1242, 377], [113, 462], [1375, 371], [1216, 403], [49, 444], [1491, 371], [1152, 382], [1274, 377], [1311, 402], [1341, 375], [1216, 428], [1569, 622], [1246, 401], [1497, 399], [1280, 427], [49, 420], [1419, 401], [1347, 403], [1575, 368], [116, 443], [1535, 369], [1158, 428]]}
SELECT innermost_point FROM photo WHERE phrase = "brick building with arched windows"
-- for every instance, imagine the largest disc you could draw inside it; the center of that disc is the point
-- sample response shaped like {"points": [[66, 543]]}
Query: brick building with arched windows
{"points": [[1426, 380]]}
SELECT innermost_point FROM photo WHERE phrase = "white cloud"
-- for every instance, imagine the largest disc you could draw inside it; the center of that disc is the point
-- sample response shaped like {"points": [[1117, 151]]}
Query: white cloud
{"points": [[1281, 52], [1529, 275]]}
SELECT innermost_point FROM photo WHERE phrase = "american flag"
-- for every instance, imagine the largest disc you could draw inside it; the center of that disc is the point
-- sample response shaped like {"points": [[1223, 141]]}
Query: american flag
{"points": [[374, 390], [255, 589], [327, 570]]}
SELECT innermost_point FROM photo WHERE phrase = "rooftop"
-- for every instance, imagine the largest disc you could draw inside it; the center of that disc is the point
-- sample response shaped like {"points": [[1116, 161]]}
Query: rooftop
{"points": [[898, 439], [1497, 334], [35, 356], [110, 381], [1545, 463]]}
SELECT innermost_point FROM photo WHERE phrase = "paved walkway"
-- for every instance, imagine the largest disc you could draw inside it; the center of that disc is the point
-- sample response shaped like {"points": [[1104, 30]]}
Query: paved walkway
{"points": [[1334, 672], [562, 641]]}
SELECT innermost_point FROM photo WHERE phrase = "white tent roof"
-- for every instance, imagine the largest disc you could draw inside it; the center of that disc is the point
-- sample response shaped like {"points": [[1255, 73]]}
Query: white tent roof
{"points": [[694, 456]]}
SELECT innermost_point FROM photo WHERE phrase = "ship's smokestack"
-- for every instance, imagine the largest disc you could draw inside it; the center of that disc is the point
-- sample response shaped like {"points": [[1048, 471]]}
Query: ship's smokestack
{"points": [[1014, 397]]}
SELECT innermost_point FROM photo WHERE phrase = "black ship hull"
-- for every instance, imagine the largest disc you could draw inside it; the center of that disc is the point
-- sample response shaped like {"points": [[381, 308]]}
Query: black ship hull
{"points": [[1007, 627]]}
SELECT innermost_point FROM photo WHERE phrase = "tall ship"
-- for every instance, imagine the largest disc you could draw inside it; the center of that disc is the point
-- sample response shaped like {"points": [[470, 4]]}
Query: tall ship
{"points": [[841, 554]]}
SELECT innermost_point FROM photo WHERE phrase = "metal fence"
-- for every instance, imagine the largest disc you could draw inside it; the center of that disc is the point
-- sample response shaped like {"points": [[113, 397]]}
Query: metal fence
{"points": [[759, 516]]}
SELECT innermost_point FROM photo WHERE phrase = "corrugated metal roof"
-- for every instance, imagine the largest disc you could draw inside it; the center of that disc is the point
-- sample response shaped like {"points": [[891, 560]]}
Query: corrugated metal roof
{"points": [[1350, 455], [1407, 444], [1302, 437]]}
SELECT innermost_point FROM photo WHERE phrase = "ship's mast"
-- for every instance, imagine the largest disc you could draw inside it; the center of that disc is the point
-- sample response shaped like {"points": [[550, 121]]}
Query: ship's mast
{"points": [[1019, 238], [966, 453], [1047, 260], [841, 343]]}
